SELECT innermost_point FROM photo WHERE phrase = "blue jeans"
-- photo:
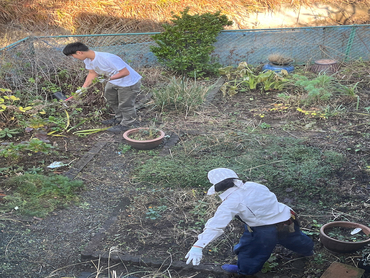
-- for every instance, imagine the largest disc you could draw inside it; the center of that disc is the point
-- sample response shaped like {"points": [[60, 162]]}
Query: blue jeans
{"points": [[255, 248]]}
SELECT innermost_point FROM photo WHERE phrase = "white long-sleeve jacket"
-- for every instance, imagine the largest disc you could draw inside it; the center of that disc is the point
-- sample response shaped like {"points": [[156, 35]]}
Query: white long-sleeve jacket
{"points": [[254, 203]]}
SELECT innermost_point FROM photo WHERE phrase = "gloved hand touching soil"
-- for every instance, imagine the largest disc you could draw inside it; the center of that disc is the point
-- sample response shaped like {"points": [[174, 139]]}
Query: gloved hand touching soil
{"points": [[195, 254]]}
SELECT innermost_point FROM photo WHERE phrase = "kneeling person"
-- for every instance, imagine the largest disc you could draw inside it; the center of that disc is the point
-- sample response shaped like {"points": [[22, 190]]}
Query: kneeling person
{"points": [[267, 223]]}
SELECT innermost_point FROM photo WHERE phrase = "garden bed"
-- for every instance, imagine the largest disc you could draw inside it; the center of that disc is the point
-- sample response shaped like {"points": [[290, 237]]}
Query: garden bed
{"points": [[122, 212]]}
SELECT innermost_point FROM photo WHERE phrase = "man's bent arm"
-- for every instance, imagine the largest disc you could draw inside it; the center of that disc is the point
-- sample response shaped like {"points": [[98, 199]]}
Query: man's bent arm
{"points": [[89, 78]]}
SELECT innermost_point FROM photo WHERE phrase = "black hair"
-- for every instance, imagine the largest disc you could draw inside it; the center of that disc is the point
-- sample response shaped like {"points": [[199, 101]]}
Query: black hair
{"points": [[224, 184], [72, 48]]}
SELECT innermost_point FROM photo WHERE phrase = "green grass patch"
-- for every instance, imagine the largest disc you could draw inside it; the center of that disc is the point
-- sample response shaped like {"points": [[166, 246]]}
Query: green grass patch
{"points": [[278, 162], [37, 195]]}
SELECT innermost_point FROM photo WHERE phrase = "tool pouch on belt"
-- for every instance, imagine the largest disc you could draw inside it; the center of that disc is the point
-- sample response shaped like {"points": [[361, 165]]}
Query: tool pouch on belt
{"points": [[286, 227]]}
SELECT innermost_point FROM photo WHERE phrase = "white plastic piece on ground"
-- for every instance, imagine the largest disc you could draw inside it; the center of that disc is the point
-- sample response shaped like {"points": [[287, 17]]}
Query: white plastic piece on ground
{"points": [[355, 231], [56, 164]]}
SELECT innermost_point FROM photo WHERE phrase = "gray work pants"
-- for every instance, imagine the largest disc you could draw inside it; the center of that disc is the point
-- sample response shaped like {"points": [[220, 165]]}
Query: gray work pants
{"points": [[122, 101]]}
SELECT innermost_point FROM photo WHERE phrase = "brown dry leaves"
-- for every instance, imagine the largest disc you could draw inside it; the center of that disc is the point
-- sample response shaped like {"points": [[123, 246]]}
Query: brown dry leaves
{"points": [[124, 16]]}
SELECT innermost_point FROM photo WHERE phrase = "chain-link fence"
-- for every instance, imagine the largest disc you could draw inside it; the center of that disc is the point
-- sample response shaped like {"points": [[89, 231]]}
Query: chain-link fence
{"points": [[304, 45], [23, 59]]}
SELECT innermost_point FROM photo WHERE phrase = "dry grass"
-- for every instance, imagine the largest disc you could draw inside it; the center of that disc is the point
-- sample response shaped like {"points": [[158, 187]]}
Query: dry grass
{"points": [[114, 16], [279, 59]]}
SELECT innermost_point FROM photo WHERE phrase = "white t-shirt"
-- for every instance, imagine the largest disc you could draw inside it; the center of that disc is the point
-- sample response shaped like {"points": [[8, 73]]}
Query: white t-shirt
{"points": [[108, 64], [255, 204]]}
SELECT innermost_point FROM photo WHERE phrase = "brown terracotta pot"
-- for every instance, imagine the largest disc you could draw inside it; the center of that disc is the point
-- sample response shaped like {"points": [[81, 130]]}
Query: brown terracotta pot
{"points": [[343, 246], [143, 144]]}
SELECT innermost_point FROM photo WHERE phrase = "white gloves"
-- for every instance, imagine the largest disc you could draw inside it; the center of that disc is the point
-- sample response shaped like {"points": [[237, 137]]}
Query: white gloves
{"points": [[102, 79], [80, 91], [195, 255]]}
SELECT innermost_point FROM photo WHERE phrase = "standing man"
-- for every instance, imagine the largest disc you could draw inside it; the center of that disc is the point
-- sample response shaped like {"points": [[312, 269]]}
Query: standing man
{"points": [[121, 89], [267, 223]]}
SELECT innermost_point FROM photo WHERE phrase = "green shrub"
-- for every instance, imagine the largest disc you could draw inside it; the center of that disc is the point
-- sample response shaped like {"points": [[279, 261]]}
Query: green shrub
{"points": [[35, 194], [186, 44]]}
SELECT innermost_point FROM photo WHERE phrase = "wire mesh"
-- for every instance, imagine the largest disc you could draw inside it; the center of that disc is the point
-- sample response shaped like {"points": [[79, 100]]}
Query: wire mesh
{"points": [[21, 60]]}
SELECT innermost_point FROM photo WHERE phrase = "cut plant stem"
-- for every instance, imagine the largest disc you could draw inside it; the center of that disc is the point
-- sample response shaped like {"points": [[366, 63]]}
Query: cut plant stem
{"points": [[89, 131]]}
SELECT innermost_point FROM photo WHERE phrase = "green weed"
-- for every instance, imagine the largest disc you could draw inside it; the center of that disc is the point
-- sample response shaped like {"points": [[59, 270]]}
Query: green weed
{"points": [[270, 264], [319, 259], [15, 151], [149, 152], [9, 171], [264, 125], [280, 163], [57, 123], [34, 170], [350, 91], [124, 148], [155, 213], [180, 94], [6, 132], [244, 78], [37, 195], [315, 229]]}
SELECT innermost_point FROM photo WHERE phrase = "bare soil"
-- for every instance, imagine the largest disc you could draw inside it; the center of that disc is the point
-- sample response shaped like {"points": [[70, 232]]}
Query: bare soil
{"points": [[112, 220]]}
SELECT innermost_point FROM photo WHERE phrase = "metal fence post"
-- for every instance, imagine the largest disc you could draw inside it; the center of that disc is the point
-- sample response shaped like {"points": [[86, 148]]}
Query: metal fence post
{"points": [[350, 43]]}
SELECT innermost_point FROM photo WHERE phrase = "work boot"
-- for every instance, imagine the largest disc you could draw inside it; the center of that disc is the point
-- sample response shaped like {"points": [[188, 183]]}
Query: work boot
{"points": [[118, 129], [112, 121]]}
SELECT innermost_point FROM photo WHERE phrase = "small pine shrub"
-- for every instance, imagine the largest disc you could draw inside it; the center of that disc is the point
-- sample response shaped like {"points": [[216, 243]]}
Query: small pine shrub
{"points": [[319, 89]]}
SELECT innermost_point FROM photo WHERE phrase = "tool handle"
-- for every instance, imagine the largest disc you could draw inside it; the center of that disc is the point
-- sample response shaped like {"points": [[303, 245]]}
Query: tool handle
{"points": [[68, 98]]}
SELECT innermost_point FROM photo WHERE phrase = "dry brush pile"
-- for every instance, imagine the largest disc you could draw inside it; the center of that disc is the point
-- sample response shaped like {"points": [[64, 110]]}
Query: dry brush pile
{"points": [[113, 16]]}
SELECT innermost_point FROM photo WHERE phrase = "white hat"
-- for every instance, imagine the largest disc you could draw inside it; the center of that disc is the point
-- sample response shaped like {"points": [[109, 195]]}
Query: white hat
{"points": [[217, 175]]}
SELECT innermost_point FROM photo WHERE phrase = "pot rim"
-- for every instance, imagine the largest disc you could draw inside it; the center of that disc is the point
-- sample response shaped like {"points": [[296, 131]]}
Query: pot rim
{"points": [[364, 228], [133, 130]]}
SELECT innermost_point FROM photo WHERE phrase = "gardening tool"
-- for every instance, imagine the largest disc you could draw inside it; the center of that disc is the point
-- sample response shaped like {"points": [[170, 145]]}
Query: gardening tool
{"points": [[61, 96]]}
